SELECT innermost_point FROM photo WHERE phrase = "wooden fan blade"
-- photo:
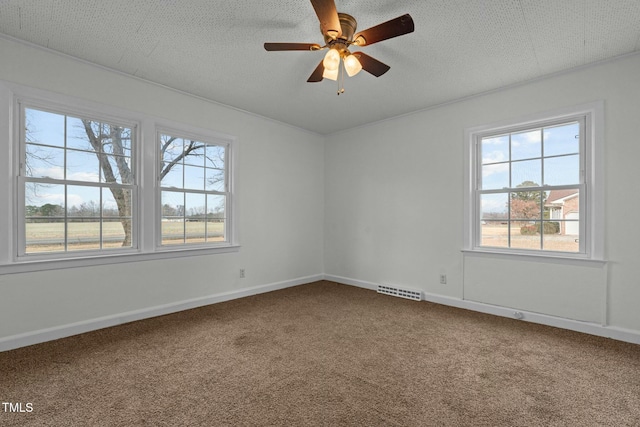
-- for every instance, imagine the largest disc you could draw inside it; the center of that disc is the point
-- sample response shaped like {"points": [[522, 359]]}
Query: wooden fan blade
{"points": [[371, 65], [387, 30], [291, 46], [316, 76], [328, 16]]}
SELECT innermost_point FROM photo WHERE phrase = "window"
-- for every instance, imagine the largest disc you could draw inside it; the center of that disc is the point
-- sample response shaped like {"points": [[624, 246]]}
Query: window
{"points": [[193, 188], [89, 184], [532, 187], [77, 188]]}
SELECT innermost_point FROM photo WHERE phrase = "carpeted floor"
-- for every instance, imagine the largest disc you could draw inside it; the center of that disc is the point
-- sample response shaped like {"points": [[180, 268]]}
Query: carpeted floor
{"points": [[325, 354]]}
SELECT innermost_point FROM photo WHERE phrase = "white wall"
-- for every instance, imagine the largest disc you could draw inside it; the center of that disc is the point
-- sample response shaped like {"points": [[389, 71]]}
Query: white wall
{"points": [[394, 203], [280, 207]]}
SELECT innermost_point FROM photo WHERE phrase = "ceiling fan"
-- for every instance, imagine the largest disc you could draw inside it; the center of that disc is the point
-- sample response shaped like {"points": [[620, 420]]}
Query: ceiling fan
{"points": [[339, 31]]}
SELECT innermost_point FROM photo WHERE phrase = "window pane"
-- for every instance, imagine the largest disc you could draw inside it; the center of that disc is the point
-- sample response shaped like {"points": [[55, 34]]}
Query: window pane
{"points": [[109, 204], [195, 153], [195, 206], [526, 145], [215, 218], [215, 180], [216, 230], [119, 171], [195, 218], [526, 173], [561, 236], [563, 170], [571, 227], [559, 203], [82, 166], [114, 225], [44, 200], [44, 162], [193, 177], [44, 234], [494, 234], [123, 198], [174, 175], [216, 206], [116, 140], [44, 218], [195, 230], [172, 225], [83, 201], [44, 128], [563, 139], [113, 234], [170, 147], [172, 205], [494, 206], [561, 243], [77, 134], [525, 234], [495, 149], [525, 205], [83, 234], [215, 157], [495, 176], [562, 232], [173, 233]]}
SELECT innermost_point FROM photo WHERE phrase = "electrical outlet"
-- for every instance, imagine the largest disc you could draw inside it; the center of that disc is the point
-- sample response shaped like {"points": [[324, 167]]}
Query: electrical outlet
{"points": [[242, 273], [443, 279]]}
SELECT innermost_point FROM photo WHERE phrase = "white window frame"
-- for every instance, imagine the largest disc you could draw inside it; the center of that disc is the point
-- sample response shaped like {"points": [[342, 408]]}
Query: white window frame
{"points": [[21, 104], [207, 137], [592, 190], [146, 155]]}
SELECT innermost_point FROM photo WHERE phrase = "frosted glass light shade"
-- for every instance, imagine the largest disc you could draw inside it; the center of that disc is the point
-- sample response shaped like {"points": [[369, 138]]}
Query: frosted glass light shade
{"points": [[330, 74], [352, 65], [331, 60]]}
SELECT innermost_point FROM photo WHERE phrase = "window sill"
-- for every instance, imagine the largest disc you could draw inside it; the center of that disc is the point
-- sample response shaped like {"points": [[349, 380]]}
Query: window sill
{"points": [[88, 261], [533, 257]]}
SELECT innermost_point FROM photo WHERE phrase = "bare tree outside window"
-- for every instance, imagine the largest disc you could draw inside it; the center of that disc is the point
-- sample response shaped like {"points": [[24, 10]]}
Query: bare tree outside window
{"points": [[80, 185], [193, 190]]}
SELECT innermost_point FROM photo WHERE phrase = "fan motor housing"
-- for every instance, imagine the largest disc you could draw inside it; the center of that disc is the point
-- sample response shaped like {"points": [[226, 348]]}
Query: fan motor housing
{"points": [[348, 26]]}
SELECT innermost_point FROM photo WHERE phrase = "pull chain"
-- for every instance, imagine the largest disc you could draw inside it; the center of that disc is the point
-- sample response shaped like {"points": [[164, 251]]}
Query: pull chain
{"points": [[340, 79]]}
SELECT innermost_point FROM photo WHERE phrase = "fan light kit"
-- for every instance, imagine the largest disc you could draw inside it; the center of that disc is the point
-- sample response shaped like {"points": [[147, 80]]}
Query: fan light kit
{"points": [[339, 31]]}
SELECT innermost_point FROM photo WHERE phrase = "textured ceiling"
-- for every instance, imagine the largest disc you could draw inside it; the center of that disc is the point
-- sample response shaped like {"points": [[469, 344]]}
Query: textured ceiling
{"points": [[213, 48]]}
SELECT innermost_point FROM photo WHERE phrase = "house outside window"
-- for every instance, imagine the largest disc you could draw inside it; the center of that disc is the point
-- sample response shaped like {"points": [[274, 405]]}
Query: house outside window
{"points": [[564, 207]]}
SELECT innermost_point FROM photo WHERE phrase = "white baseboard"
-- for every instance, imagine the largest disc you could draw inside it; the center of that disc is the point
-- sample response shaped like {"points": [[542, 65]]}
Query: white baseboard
{"points": [[613, 332], [57, 332], [353, 282], [49, 334]]}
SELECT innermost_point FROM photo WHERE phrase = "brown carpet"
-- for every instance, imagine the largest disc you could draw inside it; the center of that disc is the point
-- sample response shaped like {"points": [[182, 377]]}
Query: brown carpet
{"points": [[329, 355]]}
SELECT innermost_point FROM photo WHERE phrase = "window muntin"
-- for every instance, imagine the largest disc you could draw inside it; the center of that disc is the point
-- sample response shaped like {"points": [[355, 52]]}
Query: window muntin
{"points": [[194, 190], [530, 188], [76, 184]]}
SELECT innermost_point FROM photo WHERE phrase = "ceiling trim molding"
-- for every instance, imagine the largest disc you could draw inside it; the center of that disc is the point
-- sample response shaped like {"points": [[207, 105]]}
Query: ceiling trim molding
{"points": [[492, 91], [151, 82]]}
